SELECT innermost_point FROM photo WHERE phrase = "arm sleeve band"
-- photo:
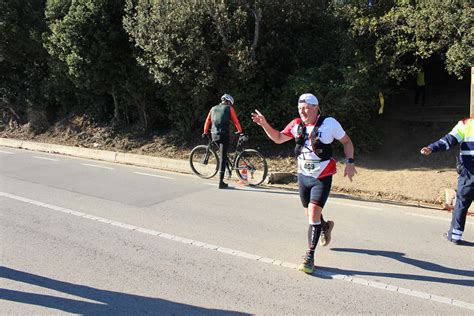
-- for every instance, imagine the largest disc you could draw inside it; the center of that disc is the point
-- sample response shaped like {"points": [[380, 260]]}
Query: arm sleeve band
{"points": [[207, 124], [287, 130], [234, 118], [444, 143]]}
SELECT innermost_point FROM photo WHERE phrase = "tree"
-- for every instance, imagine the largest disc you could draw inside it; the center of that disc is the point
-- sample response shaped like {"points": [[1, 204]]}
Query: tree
{"points": [[417, 30], [195, 50], [23, 60], [88, 38]]}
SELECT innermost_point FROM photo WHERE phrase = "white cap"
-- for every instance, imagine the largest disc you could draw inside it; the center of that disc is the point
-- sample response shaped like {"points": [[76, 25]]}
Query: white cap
{"points": [[308, 98]]}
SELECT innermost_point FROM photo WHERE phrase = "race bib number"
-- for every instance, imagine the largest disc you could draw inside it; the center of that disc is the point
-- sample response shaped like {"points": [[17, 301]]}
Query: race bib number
{"points": [[310, 166]]}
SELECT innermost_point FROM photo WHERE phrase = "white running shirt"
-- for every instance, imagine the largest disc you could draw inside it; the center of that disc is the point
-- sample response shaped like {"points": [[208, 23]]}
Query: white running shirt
{"points": [[309, 163]]}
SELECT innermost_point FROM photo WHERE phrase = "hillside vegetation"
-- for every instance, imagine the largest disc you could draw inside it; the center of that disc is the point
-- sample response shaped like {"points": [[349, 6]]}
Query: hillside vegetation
{"points": [[159, 65]]}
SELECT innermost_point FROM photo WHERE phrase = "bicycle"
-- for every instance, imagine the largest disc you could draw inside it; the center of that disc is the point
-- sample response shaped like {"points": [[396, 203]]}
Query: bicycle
{"points": [[250, 165]]}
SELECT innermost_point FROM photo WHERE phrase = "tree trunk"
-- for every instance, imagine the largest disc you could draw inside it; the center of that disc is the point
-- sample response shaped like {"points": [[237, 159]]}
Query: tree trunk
{"points": [[257, 13], [144, 117], [117, 116], [143, 109]]}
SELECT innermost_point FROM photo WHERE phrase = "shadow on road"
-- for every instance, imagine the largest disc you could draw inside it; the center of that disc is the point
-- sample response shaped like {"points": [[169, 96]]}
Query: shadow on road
{"points": [[415, 262], [105, 302]]}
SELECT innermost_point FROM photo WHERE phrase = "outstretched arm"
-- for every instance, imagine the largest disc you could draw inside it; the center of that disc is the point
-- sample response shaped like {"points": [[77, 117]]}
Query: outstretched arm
{"points": [[272, 133], [445, 143]]}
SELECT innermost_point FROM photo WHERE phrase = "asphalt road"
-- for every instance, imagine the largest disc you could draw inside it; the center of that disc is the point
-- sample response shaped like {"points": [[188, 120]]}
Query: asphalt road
{"points": [[88, 237]]}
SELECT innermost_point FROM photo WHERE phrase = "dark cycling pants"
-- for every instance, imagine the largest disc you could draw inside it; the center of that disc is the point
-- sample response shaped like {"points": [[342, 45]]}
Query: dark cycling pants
{"points": [[464, 198], [314, 190], [223, 143]]}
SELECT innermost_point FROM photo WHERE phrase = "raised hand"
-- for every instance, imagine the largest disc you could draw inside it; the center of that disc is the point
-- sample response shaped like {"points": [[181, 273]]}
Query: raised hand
{"points": [[258, 118]]}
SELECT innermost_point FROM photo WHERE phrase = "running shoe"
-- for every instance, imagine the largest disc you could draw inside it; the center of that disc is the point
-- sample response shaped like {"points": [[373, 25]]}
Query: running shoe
{"points": [[308, 264], [326, 234]]}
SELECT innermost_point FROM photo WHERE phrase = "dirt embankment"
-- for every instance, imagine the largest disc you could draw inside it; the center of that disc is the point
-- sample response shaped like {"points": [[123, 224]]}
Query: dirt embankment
{"points": [[395, 171]]}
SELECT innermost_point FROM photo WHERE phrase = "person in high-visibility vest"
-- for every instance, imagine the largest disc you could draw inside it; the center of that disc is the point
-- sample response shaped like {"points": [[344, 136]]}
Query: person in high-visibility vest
{"points": [[420, 87], [463, 134]]}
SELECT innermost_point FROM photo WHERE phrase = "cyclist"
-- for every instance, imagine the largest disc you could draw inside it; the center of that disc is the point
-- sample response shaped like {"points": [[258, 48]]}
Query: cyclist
{"points": [[220, 116], [313, 134]]}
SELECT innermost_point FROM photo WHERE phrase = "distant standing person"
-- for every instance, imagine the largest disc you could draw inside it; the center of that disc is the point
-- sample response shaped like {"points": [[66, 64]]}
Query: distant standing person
{"points": [[219, 117], [313, 135], [420, 88], [463, 134]]}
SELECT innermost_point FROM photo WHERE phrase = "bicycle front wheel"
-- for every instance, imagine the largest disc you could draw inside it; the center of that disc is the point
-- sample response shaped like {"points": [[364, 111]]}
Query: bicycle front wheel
{"points": [[204, 161], [251, 167]]}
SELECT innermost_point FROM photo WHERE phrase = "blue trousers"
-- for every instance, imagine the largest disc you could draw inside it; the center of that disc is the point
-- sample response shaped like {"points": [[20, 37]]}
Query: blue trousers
{"points": [[464, 198]]}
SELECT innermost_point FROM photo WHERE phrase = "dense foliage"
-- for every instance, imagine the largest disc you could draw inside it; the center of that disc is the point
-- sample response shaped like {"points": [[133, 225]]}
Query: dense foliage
{"points": [[410, 32], [162, 64], [23, 61]]}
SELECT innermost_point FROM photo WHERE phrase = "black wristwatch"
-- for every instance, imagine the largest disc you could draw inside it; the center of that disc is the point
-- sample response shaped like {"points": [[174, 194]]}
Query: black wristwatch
{"points": [[350, 160]]}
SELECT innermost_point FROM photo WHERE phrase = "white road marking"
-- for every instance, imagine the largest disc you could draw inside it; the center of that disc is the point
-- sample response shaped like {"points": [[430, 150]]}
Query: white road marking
{"points": [[355, 205], [258, 189], [96, 166], [45, 158], [153, 175], [237, 253], [437, 218], [6, 152], [241, 187]]}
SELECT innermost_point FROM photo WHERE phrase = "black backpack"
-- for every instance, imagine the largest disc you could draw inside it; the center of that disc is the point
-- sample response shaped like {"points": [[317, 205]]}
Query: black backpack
{"points": [[324, 151]]}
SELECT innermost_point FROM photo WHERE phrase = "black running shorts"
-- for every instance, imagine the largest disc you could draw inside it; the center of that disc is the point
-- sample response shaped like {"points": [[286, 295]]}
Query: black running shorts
{"points": [[314, 190]]}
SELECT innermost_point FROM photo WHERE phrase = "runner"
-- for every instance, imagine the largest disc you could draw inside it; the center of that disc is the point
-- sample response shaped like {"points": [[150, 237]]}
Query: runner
{"points": [[313, 134]]}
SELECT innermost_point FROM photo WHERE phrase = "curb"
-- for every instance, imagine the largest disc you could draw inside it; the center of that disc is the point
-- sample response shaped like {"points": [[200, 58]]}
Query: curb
{"points": [[168, 164], [280, 178], [176, 165], [103, 155]]}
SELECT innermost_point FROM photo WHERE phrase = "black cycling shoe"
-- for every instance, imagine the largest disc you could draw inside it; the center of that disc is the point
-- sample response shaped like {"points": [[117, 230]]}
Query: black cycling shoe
{"points": [[223, 185]]}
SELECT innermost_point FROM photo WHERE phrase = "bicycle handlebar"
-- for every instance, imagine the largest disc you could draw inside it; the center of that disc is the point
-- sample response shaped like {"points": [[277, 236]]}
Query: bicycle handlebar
{"points": [[243, 138]]}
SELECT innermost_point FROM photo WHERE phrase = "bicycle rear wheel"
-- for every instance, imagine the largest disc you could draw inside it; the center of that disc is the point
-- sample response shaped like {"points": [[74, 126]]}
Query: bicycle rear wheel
{"points": [[204, 161], [251, 167]]}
